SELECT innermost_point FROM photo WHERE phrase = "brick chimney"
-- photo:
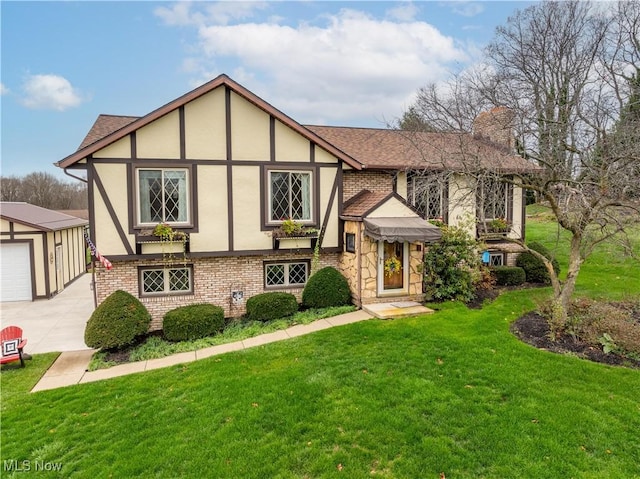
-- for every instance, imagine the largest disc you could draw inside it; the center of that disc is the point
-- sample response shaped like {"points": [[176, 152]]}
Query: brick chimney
{"points": [[496, 126]]}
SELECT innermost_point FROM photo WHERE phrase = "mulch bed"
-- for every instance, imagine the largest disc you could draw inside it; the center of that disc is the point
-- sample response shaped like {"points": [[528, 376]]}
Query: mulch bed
{"points": [[533, 329]]}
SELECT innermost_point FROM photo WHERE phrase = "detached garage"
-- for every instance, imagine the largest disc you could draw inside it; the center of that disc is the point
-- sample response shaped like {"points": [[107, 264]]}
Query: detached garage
{"points": [[41, 251]]}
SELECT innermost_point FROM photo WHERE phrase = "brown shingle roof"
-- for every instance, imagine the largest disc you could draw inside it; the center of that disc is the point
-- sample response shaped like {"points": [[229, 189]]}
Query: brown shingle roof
{"points": [[397, 149], [37, 217], [363, 202], [105, 125]]}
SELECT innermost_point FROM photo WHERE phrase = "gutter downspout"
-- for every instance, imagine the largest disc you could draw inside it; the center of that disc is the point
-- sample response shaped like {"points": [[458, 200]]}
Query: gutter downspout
{"points": [[73, 176]]}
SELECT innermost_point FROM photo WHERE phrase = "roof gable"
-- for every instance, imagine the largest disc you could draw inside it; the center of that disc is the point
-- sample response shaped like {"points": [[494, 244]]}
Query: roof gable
{"points": [[376, 204], [114, 128], [37, 217]]}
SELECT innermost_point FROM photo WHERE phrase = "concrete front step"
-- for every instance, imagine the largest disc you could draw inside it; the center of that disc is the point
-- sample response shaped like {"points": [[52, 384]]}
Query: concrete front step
{"points": [[394, 310]]}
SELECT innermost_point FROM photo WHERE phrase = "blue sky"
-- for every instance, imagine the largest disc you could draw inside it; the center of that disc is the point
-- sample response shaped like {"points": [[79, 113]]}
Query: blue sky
{"points": [[334, 63]]}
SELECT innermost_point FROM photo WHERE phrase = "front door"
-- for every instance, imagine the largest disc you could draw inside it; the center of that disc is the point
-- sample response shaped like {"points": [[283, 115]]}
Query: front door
{"points": [[392, 266]]}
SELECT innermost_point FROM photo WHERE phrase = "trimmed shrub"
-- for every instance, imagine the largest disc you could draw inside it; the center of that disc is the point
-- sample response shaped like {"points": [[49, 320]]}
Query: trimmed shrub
{"points": [[116, 322], [269, 306], [534, 268], [194, 321], [325, 288], [508, 275]]}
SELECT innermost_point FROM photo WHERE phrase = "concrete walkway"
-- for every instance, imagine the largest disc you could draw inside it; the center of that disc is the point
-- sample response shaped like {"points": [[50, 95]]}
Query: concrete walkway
{"points": [[55, 324], [71, 366]]}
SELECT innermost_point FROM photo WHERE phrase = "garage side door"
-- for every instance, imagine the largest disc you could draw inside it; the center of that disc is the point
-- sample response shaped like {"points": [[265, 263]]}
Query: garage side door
{"points": [[15, 272]]}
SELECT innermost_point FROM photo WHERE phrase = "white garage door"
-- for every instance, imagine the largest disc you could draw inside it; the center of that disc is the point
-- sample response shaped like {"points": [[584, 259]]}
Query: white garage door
{"points": [[15, 272]]}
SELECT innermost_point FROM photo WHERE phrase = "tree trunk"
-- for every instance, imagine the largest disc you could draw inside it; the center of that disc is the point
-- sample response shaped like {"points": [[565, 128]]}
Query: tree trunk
{"points": [[562, 297]]}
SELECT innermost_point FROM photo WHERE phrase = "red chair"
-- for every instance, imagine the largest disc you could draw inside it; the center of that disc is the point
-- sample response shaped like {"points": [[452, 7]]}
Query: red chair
{"points": [[12, 345]]}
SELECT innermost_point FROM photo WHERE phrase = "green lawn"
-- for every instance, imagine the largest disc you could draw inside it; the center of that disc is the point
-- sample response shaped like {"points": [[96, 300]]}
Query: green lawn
{"points": [[453, 392]]}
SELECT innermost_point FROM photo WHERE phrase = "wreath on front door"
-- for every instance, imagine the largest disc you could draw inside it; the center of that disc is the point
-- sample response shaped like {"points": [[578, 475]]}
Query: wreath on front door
{"points": [[391, 266]]}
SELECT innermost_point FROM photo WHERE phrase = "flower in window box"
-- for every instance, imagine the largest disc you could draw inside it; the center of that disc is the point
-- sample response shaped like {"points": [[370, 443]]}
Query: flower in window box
{"points": [[392, 265], [291, 228], [498, 225], [168, 235]]}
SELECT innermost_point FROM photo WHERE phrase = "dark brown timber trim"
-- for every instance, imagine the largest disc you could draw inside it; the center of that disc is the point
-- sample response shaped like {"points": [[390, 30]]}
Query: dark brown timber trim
{"points": [[183, 148], [227, 112], [272, 139], [112, 213]]}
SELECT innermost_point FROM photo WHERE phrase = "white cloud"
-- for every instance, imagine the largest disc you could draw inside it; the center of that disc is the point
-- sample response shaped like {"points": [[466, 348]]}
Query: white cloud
{"points": [[353, 66], [404, 13], [467, 9], [218, 13], [3, 89], [49, 92]]}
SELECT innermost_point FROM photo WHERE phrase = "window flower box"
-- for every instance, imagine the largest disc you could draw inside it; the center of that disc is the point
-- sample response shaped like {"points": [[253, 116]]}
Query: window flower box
{"points": [[293, 235], [493, 229]]}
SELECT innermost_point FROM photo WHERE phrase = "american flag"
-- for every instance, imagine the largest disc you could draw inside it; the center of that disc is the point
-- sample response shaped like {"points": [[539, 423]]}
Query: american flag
{"points": [[94, 251]]}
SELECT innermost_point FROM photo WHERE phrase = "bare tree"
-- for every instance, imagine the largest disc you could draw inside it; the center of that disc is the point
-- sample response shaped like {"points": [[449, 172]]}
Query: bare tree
{"points": [[11, 188], [45, 190], [566, 71]]}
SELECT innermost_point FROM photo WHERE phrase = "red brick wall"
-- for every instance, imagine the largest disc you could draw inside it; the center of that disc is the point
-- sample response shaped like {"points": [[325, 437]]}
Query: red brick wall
{"points": [[213, 280], [356, 181]]}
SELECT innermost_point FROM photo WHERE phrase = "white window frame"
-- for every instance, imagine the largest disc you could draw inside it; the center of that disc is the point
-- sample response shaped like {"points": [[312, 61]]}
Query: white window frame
{"points": [[439, 180], [270, 219], [166, 281], [187, 222], [286, 265]]}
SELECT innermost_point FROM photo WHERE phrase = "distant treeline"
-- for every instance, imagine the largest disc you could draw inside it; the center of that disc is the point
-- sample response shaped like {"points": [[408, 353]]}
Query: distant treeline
{"points": [[45, 190]]}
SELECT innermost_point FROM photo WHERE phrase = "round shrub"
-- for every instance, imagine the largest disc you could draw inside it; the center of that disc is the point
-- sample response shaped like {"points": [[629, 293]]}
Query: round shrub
{"points": [[192, 322], [269, 306], [509, 275], [534, 268], [116, 322], [325, 288]]}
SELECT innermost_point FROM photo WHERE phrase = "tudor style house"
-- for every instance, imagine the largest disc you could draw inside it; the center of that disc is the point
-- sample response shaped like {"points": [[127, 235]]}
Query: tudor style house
{"points": [[224, 171]]}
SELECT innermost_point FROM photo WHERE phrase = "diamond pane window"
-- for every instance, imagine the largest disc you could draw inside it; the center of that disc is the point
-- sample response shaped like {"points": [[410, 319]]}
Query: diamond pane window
{"points": [[153, 281], [297, 273], [285, 274], [179, 280], [496, 259], [426, 193], [491, 198], [163, 196], [274, 275], [166, 281], [290, 195]]}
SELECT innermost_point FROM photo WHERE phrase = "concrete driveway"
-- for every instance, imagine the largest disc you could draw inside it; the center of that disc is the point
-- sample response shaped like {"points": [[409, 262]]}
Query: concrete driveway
{"points": [[55, 324]]}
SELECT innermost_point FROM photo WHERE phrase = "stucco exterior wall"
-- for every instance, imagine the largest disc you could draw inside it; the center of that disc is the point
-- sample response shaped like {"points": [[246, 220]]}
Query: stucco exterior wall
{"points": [[113, 177], [205, 127], [249, 130], [160, 139]]}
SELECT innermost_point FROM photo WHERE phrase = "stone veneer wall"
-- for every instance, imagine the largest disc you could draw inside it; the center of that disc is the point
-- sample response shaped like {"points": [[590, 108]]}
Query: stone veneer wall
{"points": [[213, 278], [355, 181], [348, 262], [367, 250]]}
